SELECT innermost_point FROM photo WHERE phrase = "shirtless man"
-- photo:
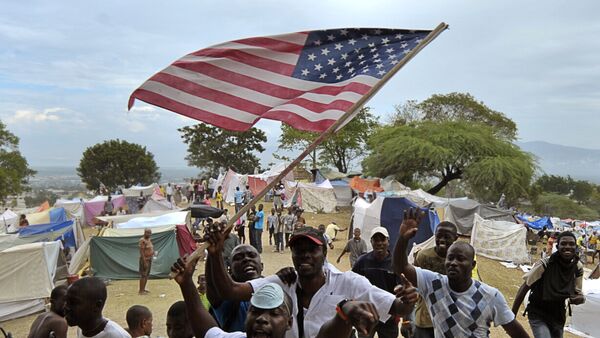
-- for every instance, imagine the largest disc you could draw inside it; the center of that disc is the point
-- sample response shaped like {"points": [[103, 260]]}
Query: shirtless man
{"points": [[54, 320], [146, 255]]}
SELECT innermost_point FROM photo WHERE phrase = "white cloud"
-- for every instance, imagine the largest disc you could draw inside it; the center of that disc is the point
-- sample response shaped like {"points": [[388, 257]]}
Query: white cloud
{"points": [[143, 109], [32, 116]]}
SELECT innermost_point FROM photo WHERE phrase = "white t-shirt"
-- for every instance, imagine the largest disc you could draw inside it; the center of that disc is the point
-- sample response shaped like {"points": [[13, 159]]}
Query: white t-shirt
{"points": [[216, 332], [111, 330], [169, 190], [462, 314], [338, 286]]}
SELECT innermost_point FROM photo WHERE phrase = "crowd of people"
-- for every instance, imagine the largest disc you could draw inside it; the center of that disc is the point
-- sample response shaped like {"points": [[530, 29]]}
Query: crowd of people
{"points": [[382, 294]]}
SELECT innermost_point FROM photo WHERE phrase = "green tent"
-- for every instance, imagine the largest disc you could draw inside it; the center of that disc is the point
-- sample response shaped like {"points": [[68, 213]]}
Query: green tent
{"points": [[118, 257]]}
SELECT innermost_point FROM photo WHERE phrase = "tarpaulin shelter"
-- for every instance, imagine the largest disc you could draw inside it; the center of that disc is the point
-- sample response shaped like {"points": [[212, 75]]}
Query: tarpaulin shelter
{"points": [[95, 206], [73, 208], [259, 181], [537, 223], [361, 185], [388, 212], [134, 191], [69, 231], [9, 222], [51, 215], [28, 274], [311, 197], [462, 213], [505, 241], [157, 203], [232, 180], [124, 218], [343, 192]]}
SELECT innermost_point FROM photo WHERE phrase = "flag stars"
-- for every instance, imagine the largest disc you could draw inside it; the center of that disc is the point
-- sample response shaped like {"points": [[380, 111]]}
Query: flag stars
{"points": [[379, 66], [418, 41], [335, 70], [311, 57], [361, 56], [389, 50], [348, 64], [344, 32], [338, 77], [373, 50], [338, 46], [372, 44], [376, 55], [325, 51], [352, 42], [381, 72], [344, 56], [351, 70], [322, 76], [377, 32], [392, 56], [317, 42], [318, 67], [330, 62], [385, 41], [305, 72], [394, 62], [365, 37], [406, 51], [399, 36], [331, 37], [403, 45]]}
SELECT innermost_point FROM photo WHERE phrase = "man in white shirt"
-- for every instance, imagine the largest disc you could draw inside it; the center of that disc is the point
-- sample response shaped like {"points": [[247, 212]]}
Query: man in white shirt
{"points": [[459, 306], [83, 308], [318, 287]]}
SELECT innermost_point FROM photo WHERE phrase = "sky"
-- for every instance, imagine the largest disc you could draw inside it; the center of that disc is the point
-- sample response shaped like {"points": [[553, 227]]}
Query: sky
{"points": [[67, 68]]}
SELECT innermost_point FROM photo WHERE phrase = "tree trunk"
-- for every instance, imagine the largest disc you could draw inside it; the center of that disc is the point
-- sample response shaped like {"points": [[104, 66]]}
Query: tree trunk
{"points": [[448, 174], [438, 186]]}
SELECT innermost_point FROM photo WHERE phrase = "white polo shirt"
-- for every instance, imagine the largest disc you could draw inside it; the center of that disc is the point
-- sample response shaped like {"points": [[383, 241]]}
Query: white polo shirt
{"points": [[338, 286]]}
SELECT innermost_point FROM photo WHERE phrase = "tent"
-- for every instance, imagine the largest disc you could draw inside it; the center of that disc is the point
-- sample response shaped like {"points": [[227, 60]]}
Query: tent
{"points": [[388, 212], [462, 213], [361, 185], [134, 191], [258, 182], [311, 197], [9, 222], [67, 231], [157, 203], [343, 193], [500, 240], [28, 274], [232, 180], [585, 316], [95, 206], [537, 223], [115, 254]]}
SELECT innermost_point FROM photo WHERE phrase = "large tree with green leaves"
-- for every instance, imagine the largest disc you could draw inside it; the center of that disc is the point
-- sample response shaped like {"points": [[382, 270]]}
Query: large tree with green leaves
{"points": [[450, 150], [211, 148], [14, 169], [117, 163], [340, 149]]}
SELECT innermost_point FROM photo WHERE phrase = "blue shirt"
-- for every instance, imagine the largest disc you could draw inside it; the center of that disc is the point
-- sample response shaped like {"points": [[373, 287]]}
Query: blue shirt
{"points": [[225, 310], [239, 197], [258, 225]]}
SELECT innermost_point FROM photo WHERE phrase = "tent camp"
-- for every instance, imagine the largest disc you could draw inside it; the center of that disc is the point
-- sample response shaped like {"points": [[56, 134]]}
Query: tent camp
{"points": [[28, 273], [95, 206], [68, 231], [115, 253], [462, 213], [388, 212], [500, 240], [134, 191], [311, 197]]}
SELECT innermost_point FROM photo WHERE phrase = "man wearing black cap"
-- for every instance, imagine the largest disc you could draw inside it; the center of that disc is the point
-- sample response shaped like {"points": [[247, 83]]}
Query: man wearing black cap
{"points": [[552, 280], [319, 287], [269, 314]]}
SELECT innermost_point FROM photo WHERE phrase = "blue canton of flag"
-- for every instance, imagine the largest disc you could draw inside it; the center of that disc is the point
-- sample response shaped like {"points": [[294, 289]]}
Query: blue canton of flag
{"points": [[335, 55]]}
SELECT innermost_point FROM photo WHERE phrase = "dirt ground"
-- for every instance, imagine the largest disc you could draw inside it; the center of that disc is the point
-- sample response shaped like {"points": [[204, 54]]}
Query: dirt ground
{"points": [[163, 292]]}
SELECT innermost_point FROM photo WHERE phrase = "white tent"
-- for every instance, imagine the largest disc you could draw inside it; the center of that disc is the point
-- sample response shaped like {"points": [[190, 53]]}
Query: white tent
{"points": [[312, 197], [585, 316], [500, 240], [27, 276], [134, 191], [9, 222], [157, 203], [73, 208], [175, 218], [230, 182]]}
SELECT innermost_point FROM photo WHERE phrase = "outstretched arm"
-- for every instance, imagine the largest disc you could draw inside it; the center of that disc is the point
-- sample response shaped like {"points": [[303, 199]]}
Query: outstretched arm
{"points": [[515, 330], [199, 318], [211, 292], [341, 255], [361, 315], [406, 297], [408, 230], [519, 298], [226, 288]]}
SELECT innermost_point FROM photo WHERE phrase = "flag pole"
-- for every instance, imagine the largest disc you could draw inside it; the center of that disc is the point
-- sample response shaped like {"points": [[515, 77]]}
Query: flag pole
{"points": [[337, 124]]}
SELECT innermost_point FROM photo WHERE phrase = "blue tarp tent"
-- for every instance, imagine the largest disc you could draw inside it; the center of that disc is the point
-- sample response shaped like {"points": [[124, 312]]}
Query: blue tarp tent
{"points": [[537, 224], [50, 232]]}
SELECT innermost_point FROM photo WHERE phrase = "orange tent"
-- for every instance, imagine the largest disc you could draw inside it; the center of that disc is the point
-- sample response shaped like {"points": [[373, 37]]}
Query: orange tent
{"points": [[43, 206], [362, 184]]}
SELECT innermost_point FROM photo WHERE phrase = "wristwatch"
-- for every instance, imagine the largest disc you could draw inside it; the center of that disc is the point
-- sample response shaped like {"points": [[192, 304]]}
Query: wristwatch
{"points": [[340, 311]]}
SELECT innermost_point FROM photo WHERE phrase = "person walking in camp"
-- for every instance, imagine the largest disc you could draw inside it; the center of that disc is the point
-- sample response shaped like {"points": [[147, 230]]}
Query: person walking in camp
{"points": [[248, 195], [355, 246], [52, 321], [83, 308], [279, 231], [272, 221], [238, 198], [141, 201], [459, 306], [109, 207], [332, 230], [288, 220], [552, 280], [259, 227], [251, 216], [278, 191], [139, 321], [169, 192], [433, 259], [219, 197], [146, 255]]}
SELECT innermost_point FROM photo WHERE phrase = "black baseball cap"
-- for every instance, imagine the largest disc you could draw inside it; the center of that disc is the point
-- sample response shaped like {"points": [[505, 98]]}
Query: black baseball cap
{"points": [[311, 233]]}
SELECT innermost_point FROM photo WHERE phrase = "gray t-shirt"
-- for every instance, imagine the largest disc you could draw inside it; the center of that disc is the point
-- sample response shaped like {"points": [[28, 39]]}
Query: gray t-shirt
{"points": [[355, 248]]}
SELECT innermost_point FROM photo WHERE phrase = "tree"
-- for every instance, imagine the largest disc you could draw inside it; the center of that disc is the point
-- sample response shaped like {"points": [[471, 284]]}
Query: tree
{"points": [[451, 150], [563, 207], [117, 163], [213, 148], [14, 169], [455, 107], [340, 149], [39, 197], [580, 191]]}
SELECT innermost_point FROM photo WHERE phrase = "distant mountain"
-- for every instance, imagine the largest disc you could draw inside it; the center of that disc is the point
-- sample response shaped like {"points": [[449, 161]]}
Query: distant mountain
{"points": [[555, 159]]}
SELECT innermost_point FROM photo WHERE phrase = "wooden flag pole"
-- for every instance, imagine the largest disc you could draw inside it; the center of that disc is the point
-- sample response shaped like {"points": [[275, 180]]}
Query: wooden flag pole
{"points": [[340, 122]]}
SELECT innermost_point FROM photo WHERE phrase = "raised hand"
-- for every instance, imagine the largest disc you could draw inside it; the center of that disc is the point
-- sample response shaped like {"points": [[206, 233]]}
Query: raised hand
{"points": [[287, 275], [183, 269], [406, 291], [362, 315], [216, 236], [410, 222]]}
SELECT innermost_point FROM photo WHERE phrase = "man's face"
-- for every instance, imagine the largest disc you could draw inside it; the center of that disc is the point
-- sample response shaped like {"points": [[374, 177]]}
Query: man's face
{"points": [[380, 245], [321, 227], [268, 323], [202, 284], [356, 233], [459, 263], [566, 248], [58, 304], [147, 326], [444, 237], [77, 308], [308, 257], [245, 263], [179, 327], [147, 233]]}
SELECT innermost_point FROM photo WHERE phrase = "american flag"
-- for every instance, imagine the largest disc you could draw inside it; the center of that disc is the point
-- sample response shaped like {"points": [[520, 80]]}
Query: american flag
{"points": [[307, 79]]}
